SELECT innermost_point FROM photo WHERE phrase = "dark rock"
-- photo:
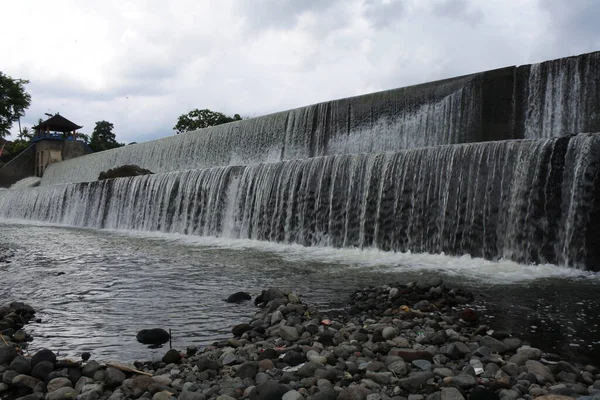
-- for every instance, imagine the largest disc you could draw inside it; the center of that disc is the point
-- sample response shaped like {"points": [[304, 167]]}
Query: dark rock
{"points": [[293, 358], [269, 390], [22, 365], [326, 338], [480, 393], [25, 381], [172, 357], [113, 377], [469, 315], [270, 354], [238, 297], [289, 333], [272, 294], [325, 395], [308, 369], [464, 381], [85, 356], [409, 355], [43, 355], [414, 382], [123, 171], [8, 376], [42, 369], [205, 364], [247, 370], [354, 393], [7, 354], [240, 329], [191, 350], [451, 393], [90, 368], [154, 336], [63, 393], [494, 344]]}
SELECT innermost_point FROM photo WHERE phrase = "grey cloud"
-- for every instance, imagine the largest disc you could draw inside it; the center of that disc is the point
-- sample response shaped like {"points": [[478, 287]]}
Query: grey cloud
{"points": [[573, 25], [382, 14], [279, 14], [460, 10]]}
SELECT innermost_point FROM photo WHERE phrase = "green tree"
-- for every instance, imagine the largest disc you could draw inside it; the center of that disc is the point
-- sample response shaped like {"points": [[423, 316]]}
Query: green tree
{"points": [[26, 134], [14, 100], [103, 137], [198, 119]]}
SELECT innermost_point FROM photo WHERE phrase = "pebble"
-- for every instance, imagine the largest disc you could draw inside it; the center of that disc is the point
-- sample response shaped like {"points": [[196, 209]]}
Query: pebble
{"points": [[400, 342]]}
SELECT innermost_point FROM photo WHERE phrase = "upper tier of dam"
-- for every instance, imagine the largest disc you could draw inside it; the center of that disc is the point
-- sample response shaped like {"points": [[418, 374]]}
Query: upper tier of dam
{"points": [[550, 99]]}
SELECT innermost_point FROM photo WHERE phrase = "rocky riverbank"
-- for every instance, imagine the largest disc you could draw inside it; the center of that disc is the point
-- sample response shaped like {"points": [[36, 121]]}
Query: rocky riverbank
{"points": [[412, 342]]}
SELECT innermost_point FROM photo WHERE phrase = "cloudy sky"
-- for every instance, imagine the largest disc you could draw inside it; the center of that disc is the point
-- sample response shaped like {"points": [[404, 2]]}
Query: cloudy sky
{"points": [[141, 63]]}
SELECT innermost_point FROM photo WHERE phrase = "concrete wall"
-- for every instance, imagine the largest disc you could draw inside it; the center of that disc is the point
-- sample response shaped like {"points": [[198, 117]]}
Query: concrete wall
{"points": [[22, 166], [34, 160]]}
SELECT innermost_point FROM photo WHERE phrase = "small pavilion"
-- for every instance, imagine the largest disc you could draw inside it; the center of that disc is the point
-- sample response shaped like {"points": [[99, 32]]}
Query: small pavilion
{"points": [[56, 127]]}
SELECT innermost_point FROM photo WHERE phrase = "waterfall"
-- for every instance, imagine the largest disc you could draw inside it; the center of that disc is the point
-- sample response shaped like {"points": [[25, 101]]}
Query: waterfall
{"points": [[485, 164], [416, 116], [562, 96], [525, 200]]}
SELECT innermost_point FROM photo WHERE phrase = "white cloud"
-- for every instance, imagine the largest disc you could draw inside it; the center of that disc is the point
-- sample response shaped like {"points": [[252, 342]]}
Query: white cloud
{"points": [[140, 64]]}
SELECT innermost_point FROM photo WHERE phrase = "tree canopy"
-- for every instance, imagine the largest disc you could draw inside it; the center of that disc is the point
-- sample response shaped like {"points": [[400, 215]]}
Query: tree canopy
{"points": [[198, 119], [103, 137], [14, 100]]}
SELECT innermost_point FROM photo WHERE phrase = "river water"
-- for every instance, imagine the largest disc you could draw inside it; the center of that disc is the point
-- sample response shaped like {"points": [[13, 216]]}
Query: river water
{"points": [[95, 289]]}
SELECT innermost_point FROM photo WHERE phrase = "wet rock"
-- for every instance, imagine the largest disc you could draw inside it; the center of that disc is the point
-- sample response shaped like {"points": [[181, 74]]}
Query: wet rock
{"points": [[268, 391], [164, 395], [63, 393], [289, 333], [113, 377], [43, 355], [154, 336], [464, 381], [292, 395], [541, 372], [247, 370], [455, 350], [293, 358], [123, 171], [414, 381], [90, 368], [42, 370], [494, 344], [239, 297], [7, 354], [21, 364], [399, 368], [384, 378], [25, 381], [205, 364], [172, 357], [451, 393], [469, 315], [240, 329], [354, 393], [326, 338], [410, 355], [20, 336], [58, 383], [530, 353]]}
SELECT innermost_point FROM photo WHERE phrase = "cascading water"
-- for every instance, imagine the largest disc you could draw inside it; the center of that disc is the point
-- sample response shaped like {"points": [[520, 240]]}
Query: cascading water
{"points": [[422, 115], [561, 97], [426, 168], [529, 201]]}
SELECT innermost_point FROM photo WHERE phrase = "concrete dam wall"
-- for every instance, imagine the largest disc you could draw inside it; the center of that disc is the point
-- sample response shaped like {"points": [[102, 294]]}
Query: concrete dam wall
{"points": [[496, 165], [550, 99]]}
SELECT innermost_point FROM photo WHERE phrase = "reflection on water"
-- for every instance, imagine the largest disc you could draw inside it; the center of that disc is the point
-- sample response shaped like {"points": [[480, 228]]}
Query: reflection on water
{"points": [[95, 289]]}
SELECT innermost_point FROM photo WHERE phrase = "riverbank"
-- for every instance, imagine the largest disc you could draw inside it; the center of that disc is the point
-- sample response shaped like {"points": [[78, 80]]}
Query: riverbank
{"points": [[416, 341]]}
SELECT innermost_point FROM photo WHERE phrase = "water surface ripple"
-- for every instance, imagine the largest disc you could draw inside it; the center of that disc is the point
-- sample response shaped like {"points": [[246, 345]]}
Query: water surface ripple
{"points": [[95, 289]]}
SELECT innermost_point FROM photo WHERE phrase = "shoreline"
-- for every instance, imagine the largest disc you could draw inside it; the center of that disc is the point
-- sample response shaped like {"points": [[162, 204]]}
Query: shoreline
{"points": [[392, 342]]}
